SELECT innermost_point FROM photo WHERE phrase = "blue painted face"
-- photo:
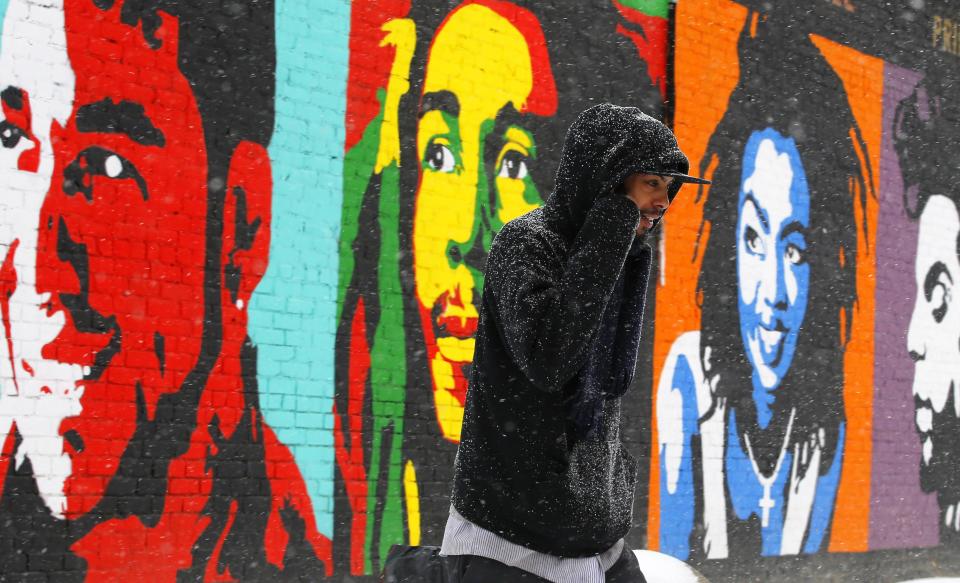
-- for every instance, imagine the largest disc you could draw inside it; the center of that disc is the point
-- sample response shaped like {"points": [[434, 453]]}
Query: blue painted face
{"points": [[773, 221]]}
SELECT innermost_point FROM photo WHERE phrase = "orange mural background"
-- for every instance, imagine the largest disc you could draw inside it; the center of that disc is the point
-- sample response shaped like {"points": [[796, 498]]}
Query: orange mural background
{"points": [[706, 72], [862, 78]]}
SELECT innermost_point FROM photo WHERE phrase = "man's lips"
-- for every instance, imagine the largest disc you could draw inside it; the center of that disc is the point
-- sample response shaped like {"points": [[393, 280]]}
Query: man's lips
{"points": [[649, 219]]}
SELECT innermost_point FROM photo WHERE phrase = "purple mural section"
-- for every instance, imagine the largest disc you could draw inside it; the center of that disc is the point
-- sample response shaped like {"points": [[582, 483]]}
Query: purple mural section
{"points": [[902, 515]]}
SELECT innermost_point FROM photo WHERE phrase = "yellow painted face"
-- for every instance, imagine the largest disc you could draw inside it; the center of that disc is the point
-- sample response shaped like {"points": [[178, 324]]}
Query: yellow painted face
{"points": [[474, 177]]}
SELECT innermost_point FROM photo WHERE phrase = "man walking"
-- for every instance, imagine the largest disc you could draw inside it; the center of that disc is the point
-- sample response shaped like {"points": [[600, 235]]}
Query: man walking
{"points": [[543, 488]]}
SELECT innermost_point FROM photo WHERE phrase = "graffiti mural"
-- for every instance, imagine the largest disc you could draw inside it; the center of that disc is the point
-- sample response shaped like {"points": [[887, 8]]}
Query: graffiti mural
{"points": [[749, 458], [242, 246], [136, 228], [924, 117], [804, 398], [460, 141]]}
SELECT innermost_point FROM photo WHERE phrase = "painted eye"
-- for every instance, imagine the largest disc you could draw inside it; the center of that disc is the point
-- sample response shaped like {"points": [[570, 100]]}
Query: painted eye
{"points": [[106, 163], [752, 239], [10, 135], [97, 161], [940, 299], [113, 166], [514, 165], [439, 158], [795, 255]]}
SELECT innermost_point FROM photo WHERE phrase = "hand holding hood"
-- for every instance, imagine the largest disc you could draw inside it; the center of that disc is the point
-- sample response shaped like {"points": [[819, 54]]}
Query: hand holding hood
{"points": [[606, 144]]}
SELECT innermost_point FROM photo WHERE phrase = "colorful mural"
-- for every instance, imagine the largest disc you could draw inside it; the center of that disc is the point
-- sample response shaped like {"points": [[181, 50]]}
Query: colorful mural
{"points": [[136, 227], [749, 457], [242, 246], [455, 148], [924, 135], [803, 397]]}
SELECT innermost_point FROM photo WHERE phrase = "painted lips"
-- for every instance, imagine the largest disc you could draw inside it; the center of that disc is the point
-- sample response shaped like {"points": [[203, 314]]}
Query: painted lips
{"points": [[455, 317], [771, 340], [924, 419], [456, 326]]}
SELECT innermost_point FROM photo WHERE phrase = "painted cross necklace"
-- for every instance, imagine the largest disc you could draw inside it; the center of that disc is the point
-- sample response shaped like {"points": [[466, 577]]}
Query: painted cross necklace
{"points": [[766, 503]]}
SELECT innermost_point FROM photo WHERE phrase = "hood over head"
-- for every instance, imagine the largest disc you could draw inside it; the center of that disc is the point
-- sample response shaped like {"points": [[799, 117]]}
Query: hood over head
{"points": [[606, 144]]}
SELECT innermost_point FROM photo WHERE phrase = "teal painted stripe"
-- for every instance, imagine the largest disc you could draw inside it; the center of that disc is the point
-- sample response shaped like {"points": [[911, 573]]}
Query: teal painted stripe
{"points": [[3, 17], [293, 313]]}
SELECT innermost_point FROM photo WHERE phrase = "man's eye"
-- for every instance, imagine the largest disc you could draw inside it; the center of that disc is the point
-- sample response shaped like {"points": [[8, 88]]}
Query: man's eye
{"points": [[795, 255], [653, 183], [439, 158], [513, 165], [10, 135], [752, 239]]}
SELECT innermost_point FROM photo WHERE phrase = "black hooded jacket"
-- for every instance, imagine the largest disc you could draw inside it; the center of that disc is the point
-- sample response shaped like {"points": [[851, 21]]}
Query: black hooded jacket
{"points": [[540, 460]]}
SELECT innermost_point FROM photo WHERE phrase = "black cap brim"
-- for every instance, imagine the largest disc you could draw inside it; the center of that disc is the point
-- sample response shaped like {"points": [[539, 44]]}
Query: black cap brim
{"points": [[678, 176]]}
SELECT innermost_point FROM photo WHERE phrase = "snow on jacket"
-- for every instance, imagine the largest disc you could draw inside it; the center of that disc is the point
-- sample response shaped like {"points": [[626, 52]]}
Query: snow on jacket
{"points": [[526, 469]]}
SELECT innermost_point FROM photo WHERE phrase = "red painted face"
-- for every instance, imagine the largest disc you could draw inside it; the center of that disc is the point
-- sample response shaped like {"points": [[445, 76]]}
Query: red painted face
{"points": [[122, 236]]}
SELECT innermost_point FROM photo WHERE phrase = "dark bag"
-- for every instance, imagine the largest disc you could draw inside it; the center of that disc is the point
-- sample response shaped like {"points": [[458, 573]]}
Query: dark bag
{"points": [[407, 564], [425, 565]]}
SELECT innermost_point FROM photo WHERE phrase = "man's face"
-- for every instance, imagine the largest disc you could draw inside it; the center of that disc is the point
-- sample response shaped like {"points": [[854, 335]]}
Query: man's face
{"points": [[36, 91], [933, 338], [122, 232], [650, 193], [473, 180]]}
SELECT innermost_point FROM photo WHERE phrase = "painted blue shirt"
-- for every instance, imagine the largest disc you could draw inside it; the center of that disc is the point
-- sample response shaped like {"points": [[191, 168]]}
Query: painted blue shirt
{"points": [[743, 489]]}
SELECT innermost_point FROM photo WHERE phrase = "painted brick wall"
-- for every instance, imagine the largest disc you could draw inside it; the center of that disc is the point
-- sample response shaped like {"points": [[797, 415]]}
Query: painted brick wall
{"points": [[242, 247], [455, 119], [804, 398]]}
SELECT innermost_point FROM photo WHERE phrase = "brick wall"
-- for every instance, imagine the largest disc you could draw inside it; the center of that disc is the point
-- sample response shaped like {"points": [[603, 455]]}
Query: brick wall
{"points": [[243, 245], [803, 395]]}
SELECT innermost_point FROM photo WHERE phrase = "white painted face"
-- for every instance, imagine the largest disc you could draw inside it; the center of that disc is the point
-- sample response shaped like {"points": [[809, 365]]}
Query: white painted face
{"points": [[36, 90], [934, 335]]}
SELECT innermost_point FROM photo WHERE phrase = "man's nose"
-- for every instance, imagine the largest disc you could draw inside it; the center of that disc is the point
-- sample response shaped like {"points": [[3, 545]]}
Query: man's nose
{"points": [[661, 201]]}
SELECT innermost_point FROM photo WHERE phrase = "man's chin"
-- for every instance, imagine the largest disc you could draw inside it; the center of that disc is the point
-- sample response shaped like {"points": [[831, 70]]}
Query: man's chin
{"points": [[643, 230]]}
